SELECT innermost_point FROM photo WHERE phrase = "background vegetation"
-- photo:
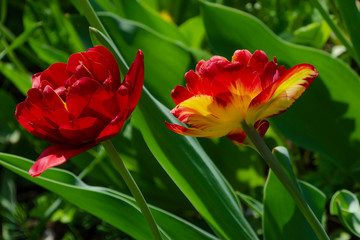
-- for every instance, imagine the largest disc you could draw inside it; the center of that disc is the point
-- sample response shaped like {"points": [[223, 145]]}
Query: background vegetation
{"points": [[321, 130]]}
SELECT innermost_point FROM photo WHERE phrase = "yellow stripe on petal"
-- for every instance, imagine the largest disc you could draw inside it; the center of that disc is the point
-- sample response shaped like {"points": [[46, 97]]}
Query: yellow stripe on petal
{"points": [[279, 96], [193, 132], [211, 117]]}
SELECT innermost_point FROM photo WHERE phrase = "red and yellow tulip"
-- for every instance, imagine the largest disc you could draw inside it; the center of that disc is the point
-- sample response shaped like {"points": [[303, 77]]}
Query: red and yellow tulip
{"points": [[220, 95]]}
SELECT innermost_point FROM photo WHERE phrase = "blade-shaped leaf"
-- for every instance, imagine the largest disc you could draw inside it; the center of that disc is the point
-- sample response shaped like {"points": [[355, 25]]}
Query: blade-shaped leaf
{"points": [[281, 218], [113, 207], [192, 170], [351, 17]]}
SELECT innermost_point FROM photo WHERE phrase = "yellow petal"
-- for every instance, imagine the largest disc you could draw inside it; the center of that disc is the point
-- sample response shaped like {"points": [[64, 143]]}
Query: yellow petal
{"points": [[279, 96]]}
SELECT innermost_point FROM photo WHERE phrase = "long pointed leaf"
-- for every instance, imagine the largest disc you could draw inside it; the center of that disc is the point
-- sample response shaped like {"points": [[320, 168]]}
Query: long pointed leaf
{"points": [[113, 207]]}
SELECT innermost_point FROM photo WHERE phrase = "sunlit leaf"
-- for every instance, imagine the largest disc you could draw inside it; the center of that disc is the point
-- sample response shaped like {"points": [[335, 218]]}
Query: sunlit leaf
{"points": [[113, 207]]}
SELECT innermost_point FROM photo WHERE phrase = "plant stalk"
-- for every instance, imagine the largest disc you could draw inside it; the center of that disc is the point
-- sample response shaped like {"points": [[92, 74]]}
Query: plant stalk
{"points": [[92, 17], [290, 186], [134, 189]]}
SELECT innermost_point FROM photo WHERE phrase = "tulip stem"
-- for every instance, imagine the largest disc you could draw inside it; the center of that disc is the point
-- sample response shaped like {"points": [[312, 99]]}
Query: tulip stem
{"points": [[290, 186], [134, 189]]}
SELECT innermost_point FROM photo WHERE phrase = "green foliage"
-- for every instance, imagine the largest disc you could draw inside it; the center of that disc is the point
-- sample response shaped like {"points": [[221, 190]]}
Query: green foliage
{"points": [[345, 204], [103, 203], [286, 221], [191, 182]]}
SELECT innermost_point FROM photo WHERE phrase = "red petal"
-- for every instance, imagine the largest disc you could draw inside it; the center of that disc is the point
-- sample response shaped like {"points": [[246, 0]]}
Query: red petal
{"points": [[30, 115], [36, 80], [237, 138], [113, 128], [111, 63], [242, 56], [180, 94], [77, 65], [195, 83], [269, 75], [261, 126], [258, 61], [56, 155], [56, 75], [134, 80], [80, 94], [82, 129]]}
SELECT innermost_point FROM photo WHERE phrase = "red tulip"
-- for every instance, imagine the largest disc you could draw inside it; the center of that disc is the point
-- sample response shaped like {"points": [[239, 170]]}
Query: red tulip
{"points": [[221, 95], [77, 105]]}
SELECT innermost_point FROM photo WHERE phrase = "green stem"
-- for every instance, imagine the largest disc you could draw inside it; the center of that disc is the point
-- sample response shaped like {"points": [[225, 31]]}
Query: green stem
{"points": [[91, 16], [134, 189], [285, 180], [339, 34]]}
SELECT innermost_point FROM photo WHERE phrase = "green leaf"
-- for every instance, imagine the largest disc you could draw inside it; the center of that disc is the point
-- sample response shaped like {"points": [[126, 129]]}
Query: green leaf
{"points": [[113, 207], [281, 218], [192, 170], [165, 64], [315, 34], [351, 16], [252, 203], [48, 53], [346, 205], [20, 40], [139, 12], [21, 80], [331, 101], [194, 31]]}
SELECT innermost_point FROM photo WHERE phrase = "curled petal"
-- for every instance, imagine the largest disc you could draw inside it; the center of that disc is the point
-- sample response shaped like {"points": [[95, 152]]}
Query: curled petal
{"points": [[113, 128], [258, 61], [280, 95], [109, 61], [56, 75], [180, 94], [36, 80], [134, 80], [56, 155], [242, 56]]}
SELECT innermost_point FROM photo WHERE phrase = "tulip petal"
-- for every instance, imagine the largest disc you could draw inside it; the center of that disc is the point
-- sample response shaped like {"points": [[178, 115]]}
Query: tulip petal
{"points": [[82, 129], [30, 115], [280, 95], [242, 56], [212, 116], [56, 75], [111, 63], [80, 93], [56, 155], [180, 94], [258, 61], [113, 128], [134, 81], [193, 132], [239, 138]]}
